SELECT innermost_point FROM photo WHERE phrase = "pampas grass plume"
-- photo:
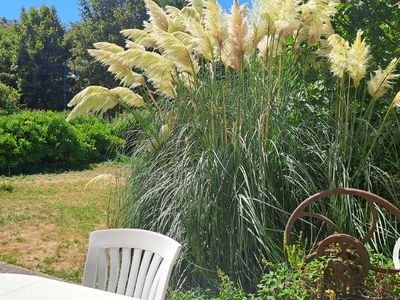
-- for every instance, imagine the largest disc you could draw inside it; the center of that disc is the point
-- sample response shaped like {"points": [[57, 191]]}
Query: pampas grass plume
{"points": [[383, 80]]}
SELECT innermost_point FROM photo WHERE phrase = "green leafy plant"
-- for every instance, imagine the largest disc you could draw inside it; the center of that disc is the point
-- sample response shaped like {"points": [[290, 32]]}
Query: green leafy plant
{"points": [[39, 139], [226, 291], [9, 100], [7, 187]]}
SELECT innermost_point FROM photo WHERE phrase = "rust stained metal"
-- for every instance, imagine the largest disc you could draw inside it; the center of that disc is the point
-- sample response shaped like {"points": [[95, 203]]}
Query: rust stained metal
{"points": [[349, 261]]}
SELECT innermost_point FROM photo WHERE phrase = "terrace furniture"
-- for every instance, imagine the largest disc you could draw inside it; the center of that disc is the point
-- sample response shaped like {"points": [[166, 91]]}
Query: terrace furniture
{"points": [[349, 261], [396, 251], [131, 262], [23, 287]]}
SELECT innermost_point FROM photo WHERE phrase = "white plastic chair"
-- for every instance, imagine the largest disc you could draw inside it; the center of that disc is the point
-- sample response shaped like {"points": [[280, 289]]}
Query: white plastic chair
{"points": [[396, 251], [131, 262]]}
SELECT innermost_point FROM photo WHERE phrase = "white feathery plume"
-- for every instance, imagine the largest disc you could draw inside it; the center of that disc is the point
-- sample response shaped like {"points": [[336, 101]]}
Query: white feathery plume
{"points": [[175, 51], [99, 99], [157, 68], [122, 72], [133, 45], [396, 101], [280, 16], [95, 99], [108, 47], [139, 36], [201, 42], [215, 25], [198, 6], [316, 18], [100, 179], [128, 77], [357, 59], [383, 80], [149, 27], [128, 98], [338, 54], [172, 11], [103, 56], [261, 22], [176, 22], [226, 53], [184, 37], [238, 31], [190, 12], [157, 16]]}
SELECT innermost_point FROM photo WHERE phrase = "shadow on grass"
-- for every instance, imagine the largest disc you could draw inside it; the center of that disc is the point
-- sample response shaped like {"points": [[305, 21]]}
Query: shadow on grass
{"points": [[45, 169], [120, 159]]}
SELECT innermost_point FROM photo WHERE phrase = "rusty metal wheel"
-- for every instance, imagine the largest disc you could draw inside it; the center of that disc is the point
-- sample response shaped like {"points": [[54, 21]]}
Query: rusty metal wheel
{"points": [[338, 238], [350, 258]]}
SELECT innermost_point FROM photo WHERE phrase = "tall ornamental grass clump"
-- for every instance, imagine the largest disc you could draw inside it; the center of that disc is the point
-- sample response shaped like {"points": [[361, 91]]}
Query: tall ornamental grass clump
{"points": [[241, 121]]}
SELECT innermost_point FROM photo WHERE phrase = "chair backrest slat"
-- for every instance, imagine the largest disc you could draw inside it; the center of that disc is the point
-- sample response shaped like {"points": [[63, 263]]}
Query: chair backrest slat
{"points": [[114, 269], [102, 269], [125, 266], [138, 263], [155, 284], [151, 273], [137, 255], [91, 267], [144, 266]]}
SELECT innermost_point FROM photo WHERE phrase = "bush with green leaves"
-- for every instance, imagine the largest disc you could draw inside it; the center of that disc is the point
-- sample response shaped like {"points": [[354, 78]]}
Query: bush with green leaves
{"points": [[226, 290], [45, 139], [9, 100], [287, 281], [101, 135]]}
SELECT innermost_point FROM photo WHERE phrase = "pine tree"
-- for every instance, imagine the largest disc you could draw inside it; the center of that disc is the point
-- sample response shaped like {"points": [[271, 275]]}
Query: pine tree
{"points": [[40, 54]]}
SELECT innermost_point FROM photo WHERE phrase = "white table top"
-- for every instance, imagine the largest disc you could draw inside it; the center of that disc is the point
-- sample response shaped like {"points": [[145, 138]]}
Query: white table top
{"points": [[21, 287]]}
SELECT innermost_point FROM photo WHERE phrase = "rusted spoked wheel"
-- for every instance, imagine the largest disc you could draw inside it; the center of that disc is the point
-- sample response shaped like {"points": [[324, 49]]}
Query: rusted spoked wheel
{"points": [[345, 240], [349, 255]]}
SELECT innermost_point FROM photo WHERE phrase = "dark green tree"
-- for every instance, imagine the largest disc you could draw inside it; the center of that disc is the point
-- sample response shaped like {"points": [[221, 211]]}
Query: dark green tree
{"points": [[4, 22], [177, 3], [7, 52], [102, 21], [40, 53], [380, 21]]}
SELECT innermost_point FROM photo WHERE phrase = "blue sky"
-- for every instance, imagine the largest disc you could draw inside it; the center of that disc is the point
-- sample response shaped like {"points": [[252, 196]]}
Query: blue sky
{"points": [[67, 9]]}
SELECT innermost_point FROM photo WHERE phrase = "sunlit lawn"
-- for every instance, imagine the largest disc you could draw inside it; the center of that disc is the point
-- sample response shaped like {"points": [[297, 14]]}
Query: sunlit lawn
{"points": [[45, 220]]}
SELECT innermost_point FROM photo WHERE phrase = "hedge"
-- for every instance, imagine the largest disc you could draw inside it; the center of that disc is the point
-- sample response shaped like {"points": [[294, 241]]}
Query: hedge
{"points": [[45, 139]]}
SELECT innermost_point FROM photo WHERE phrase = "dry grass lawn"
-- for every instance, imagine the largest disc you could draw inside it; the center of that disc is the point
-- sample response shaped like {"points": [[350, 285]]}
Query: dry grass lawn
{"points": [[45, 220]]}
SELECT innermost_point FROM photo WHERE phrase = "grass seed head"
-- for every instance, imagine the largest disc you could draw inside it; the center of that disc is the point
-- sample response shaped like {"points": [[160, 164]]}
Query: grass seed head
{"points": [[338, 54], [383, 81], [396, 101], [358, 58]]}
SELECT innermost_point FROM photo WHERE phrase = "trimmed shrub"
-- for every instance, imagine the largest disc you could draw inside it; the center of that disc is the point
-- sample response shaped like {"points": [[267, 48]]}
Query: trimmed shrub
{"points": [[46, 139], [98, 136]]}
